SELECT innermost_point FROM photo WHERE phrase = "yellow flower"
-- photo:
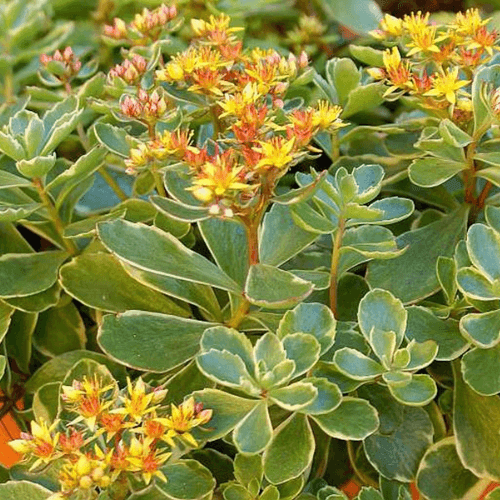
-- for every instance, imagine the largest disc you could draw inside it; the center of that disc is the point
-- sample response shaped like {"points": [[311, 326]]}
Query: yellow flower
{"points": [[220, 23], [276, 152], [235, 104], [423, 41], [416, 23], [185, 417], [389, 26], [446, 84], [137, 403], [468, 23], [392, 59], [327, 116], [41, 443], [220, 178], [398, 71], [145, 459]]}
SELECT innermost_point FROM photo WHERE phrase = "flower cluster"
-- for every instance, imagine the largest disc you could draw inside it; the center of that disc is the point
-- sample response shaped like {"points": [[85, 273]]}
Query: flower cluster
{"points": [[145, 27], [439, 61], [63, 65], [130, 71], [113, 434], [254, 140], [307, 35]]}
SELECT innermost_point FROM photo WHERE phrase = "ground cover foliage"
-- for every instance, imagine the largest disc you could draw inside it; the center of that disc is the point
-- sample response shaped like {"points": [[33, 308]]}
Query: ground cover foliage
{"points": [[243, 255]]}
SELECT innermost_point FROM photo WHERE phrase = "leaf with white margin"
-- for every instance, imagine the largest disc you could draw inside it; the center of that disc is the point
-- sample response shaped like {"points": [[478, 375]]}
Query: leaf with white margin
{"points": [[303, 349], [294, 396], [381, 310], [254, 432], [477, 285], [222, 338], [354, 420], [482, 329], [483, 245], [356, 365], [312, 318], [419, 391]]}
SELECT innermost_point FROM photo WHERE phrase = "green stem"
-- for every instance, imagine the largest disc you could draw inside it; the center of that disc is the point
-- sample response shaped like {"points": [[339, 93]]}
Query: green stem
{"points": [[110, 180], [337, 244], [160, 188], [335, 153], [8, 86], [216, 123], [83, 137], [54, 216]]}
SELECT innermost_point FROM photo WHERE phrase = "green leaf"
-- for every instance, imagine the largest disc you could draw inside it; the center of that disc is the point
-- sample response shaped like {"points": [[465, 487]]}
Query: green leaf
{"points": [[179, 211], [301, 194], [404, 435], [494, 495], [279, 225], [356, 365], [291, 450], [310, 220], [37, 302], [46, 402], [19, 338], [303, 349], [490, 174], [294, 396], [481, 370], [369, 494], [8, 180], [99, 281], [379, 309], [228, 411], [431, 172], [364, 98], [22, 490], [161, 253], [492, 216], [113, 138], [248, 468], [328, 396], [36, 167], [6, 313], [312, 318], [441, 475], [476, 422], [476, 285], [342, 74], [421, 354], [27, 274], [418, 391], [412, 276], [59, 330], [11, 147], [481, 99], [359, 15], [227, 242], [200, 295], [67, 182], [59, 122], [55, 370], [141, 339], [454, 135], [254, 432], [222, 338], [483, 329], [224, 368], [187, 480], [268, 352], [272, 288], [354, 419], [483, 242], [13, 214], [367, 55], [446, 269]]}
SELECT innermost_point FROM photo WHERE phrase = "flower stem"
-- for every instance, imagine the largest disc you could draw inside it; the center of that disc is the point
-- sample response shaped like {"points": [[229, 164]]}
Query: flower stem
{"points": [[54, 216], [337, 244], [110, 180], [160, 188]]}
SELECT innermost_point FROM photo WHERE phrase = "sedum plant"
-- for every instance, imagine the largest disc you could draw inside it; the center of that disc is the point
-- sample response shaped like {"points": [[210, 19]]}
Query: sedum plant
{"points": [[232, 271]]}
